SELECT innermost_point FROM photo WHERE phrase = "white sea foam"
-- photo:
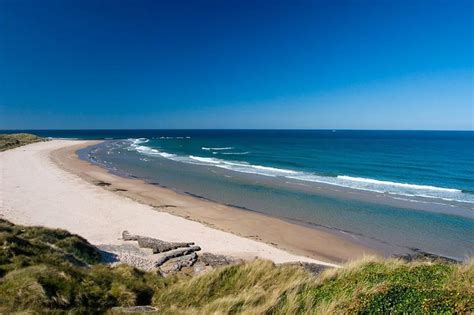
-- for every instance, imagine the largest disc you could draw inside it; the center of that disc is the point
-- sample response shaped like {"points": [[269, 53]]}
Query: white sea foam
{"points": [[273, 169], [167, 155], [216, 149], [138, 141], [204, 159], [395, 184], [392, 188], [136, 145], [242, 166], [367, 184], [153, 152]]}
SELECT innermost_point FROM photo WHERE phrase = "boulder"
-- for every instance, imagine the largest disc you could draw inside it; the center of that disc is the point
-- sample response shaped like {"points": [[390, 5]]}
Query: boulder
{"points": [[184, 261], [175, 253], [158, 246]]}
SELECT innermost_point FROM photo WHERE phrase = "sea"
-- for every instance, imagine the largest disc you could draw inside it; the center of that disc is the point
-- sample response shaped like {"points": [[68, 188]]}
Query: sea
{"points": [[396, 191]]}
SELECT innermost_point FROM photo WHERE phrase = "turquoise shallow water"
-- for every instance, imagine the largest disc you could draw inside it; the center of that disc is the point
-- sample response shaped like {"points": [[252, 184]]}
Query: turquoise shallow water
{"points": [[427, 164], [394, 190]]}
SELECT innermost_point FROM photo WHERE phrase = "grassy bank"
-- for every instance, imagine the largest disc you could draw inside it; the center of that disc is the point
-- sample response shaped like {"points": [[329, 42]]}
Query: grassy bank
{"points": [[10, 141], [43, 269], [366, 286]]}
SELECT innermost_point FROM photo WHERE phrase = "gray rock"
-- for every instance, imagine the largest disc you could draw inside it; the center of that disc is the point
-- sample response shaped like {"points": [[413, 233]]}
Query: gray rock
{"points": [[175, 253], [212, 260], [158, 246], [129, 237], [184, 261]]}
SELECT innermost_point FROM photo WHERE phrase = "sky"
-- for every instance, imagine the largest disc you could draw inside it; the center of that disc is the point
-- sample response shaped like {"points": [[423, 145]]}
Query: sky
{"points": [[264, 64]]}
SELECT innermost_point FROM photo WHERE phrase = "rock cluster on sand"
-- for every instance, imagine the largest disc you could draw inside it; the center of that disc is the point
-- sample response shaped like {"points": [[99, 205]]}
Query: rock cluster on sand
{"points": [[167, 257]]}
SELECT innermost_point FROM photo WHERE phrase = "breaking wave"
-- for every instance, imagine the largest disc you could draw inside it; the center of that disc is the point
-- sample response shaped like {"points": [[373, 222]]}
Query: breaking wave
{"points": [[368, 184]]}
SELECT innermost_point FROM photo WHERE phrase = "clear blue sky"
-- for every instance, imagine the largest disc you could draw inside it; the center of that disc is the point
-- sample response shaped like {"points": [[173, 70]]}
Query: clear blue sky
{"points": [[236, 64]]}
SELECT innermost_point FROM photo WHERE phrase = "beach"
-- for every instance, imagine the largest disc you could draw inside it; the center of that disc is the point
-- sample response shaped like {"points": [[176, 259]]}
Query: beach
{"points": [[377, 196], [47, 184]]}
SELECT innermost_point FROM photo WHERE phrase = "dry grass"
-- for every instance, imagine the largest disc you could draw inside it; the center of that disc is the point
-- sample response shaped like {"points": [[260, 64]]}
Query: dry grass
{"points": [[251, 288]]}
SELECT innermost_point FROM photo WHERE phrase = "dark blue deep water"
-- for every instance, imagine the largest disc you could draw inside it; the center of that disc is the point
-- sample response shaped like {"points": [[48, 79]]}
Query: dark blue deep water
{"points": [[404, 189]]}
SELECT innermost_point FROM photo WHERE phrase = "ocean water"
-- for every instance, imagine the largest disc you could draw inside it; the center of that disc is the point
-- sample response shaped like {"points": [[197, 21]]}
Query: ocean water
{"points": [[394, 190]]}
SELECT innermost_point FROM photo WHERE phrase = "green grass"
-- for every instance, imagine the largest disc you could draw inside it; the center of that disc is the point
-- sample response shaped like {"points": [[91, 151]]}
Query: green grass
{"points": [[10, 141], [52, 270], [387, 286], [366, 286], [47, 269]]}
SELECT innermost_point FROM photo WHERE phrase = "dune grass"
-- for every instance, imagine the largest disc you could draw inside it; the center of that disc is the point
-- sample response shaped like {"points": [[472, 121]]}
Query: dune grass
{"points": [[372, 285], [45, 269], [367, 286], [10, 141], [251, 288], [52, 270]]}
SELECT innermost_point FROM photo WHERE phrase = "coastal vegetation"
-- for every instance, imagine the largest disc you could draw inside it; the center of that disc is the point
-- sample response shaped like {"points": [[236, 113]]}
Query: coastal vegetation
{"points": [[52, 270], [10, 141]]}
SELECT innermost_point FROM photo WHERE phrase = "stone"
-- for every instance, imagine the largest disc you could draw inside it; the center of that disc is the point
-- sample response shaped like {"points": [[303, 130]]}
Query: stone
{"points": [[159, 246], [184, 261], [129, 237], [175, 253], [212, 260]]}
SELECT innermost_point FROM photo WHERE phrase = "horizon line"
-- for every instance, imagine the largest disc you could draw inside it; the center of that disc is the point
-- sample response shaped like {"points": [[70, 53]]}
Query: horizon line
{"points": [[236, 129]]}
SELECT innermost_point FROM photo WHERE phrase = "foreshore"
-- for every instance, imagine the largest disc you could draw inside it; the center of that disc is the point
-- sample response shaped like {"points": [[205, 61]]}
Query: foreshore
{"points": [[47, 184]]}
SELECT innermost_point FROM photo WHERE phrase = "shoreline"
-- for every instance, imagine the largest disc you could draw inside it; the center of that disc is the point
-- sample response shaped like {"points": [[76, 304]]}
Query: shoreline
{"points": [[298, 239], [37, 192]]}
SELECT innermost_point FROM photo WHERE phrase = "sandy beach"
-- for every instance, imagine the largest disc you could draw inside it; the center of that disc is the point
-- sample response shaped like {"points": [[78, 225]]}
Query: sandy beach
{"points": [[47, 184]]}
